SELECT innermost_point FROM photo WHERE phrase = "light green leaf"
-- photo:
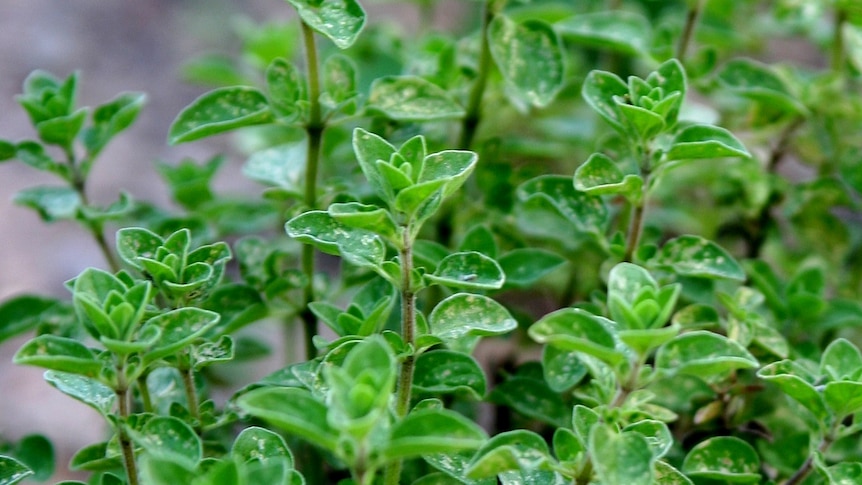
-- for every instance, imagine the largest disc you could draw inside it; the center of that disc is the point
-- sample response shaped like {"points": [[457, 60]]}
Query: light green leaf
{"points": [[430, 431], [600, 175], [525, 266], [340, 21], [320, 229], [97, 457], [339, 81], [469, 270], [371, 149], [134, 243], [704, 354], [286, 88], [644, 122], [841, 360], [452, 166], [705, 141], [219, 111], [60, 354], [618, 30], [510, 450], [620, 458], [462, 315], [577, 330], [759, 82], [208, 353], [157, 470], [843, 397], [112, 118], [12, 471], [446, 371], [796, 383], [668, 475], [657, 435], [411, 98], [282, 166], [695, 256], [600, 90], [454, 466], [586, 212], [530, 57], [62, 130], [170, 438], [52, 203], [562, 368], [724, 458], [261, 444], [87, 390], [293, 410], [178, 329]]}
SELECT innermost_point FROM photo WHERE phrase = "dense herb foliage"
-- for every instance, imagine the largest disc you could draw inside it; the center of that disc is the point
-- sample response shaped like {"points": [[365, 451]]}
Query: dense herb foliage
{"points": [[582, 242]]}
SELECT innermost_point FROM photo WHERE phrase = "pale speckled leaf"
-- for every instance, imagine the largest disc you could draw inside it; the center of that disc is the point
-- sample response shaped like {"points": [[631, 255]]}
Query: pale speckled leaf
{"points": [[600, 175], [446, 371], [724, 458], [705, 141], [340, 21], [218, 111], [179, 328], [60, 354], [286, 87], [89, 391], [530, 57], [668, 475], [510, 450], [532, 477], [695, 256], [257, 443], [411, 98], [52, 203], [844, 473], [170, 438], [209, 353], [657, 435], [618, 30], [580, 331], [703, 354], [620, 458], [465, 314], [562, 368], [282, 166], [586, 212], [320, 229], [12, 471], [797, 383], [454, 467], [599, 90], [469, 270]]}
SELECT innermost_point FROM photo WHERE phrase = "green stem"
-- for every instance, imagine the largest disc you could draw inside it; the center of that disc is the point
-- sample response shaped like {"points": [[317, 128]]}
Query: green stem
{"points": [[79, 185], [146, 399], [392, 474], [128, 450], [474, 103], [191, 395], [837, 57], [688, 31], [314, 129], [808, 465]]}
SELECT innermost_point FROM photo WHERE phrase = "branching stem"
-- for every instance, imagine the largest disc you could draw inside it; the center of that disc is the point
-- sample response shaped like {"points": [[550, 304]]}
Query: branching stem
{"points": [[474, 102], [688, 30]]}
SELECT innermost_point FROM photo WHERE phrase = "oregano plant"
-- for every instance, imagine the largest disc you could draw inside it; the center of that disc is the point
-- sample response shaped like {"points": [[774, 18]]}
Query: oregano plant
{"points": [[610, 243]]}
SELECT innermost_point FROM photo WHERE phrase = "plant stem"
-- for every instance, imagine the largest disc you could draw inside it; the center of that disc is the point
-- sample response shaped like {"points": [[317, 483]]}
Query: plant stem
{"points": [[128, 450], [314, 128], [191, 395], [146, 399], [837, 57], [474, 103], [392, 475], [79, 185], [807, 466], [688, 31]]}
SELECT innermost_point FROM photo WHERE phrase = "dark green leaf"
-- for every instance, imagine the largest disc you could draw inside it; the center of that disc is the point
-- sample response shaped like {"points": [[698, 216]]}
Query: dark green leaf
{"points": [[430, 431], [533, 398], [24, 313], [159, 470], [445, 371], [58, 353], [525, 266], [530, 57], [7, 150], [219, 111], [339, 20], [796, 383], [411, 98], [37, 453], [723, 458], [480, 239], [619, 30], [705, 141], [759, 82], [97, 457], [12, 471]]}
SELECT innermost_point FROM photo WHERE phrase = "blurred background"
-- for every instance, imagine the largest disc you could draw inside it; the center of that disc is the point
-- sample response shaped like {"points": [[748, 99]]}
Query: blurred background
{"points": [[115, 46]]}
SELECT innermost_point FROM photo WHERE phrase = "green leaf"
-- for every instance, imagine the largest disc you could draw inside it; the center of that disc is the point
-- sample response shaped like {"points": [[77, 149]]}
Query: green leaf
{"points": [[695, 256], [523, 267], [600, 175], [577, 330], [532, 397], [320, 229], [463, 315], [618, 30], [156, 470], [293, 410], [645, 123], [510, 450], [219, 111], [7, 150], [759, 82], [286, 88], [724, 458], [25, 312], [171, 439], [843, 397], [178, 329], [469, 270], [36, 453], [451, 166], [411, 98], [445, 371], [586, 212], [52, 203], [261, 444], [668, 475], [340, 21], [62, 130], [111, 119], [371, 149], [705, 141], [208, 353], [620, 458], [339, 81], [454, 466], [282, 166], [796, 383], [87, 390], [841, 360], [480, 239], [530, 57], [657, 435], [600, 90], [33, 154], [430, 431], [704, 354], [97, 457], [12, 471], [134, 243], [562, 369], [58, 353]]}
